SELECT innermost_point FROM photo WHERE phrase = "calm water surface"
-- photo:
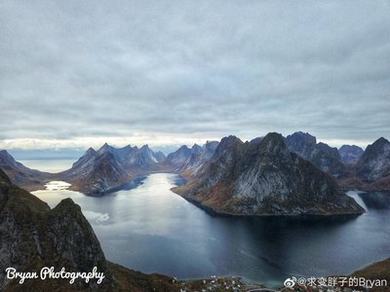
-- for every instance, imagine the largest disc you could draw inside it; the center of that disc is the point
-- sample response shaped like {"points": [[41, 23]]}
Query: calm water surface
{"points": [[151, 229]]}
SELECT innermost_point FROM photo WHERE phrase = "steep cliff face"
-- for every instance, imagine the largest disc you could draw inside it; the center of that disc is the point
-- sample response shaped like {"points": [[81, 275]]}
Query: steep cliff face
{"points": [[21, 175], [321, 155], [33, 236], [265, 179], [350, 154]]}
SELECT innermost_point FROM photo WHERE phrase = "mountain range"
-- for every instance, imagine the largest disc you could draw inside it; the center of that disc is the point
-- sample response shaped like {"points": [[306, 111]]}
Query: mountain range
{"points": [[99, 172], [264, 178], [272, 174], [33, 236]]}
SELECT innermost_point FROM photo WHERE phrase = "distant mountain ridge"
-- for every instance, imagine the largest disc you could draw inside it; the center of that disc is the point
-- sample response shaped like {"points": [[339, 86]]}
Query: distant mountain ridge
{"points": [[108, 168], [350, 154], [188, 160], [323, 156]]}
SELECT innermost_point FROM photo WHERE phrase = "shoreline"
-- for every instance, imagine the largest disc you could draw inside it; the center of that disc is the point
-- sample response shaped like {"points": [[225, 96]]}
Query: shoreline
{"points": [[213, 212]]}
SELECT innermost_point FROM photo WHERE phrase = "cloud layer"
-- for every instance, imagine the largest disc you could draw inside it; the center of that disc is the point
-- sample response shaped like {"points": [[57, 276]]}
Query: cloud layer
{"points": [[167, 72]]}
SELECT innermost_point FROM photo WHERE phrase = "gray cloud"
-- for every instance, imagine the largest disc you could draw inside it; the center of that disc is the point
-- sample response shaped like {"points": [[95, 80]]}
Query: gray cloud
{"points": [[202, 69]]}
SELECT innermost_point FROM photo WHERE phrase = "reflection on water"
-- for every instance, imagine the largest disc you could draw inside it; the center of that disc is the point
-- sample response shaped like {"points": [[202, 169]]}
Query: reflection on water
{"points": [[151, 229]]}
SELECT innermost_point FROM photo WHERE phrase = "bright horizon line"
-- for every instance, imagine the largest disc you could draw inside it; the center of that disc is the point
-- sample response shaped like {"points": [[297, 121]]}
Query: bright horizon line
{"points": [[154, 141]]}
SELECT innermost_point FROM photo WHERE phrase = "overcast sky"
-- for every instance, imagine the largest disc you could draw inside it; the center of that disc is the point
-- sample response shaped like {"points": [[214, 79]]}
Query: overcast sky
{"points": [[79, 73]]}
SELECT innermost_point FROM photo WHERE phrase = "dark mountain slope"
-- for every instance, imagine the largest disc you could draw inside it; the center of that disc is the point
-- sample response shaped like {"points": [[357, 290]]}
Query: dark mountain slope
{"points": [[265, 179], [21, 175], [321, 155]]}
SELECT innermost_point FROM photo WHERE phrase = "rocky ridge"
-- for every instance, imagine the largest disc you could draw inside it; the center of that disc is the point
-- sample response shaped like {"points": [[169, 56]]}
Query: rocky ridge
{"points": [[320, 154], [265, 179]]}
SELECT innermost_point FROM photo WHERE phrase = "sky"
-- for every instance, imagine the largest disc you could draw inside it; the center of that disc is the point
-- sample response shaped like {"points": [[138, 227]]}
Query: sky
{"points": [[75, 74]]}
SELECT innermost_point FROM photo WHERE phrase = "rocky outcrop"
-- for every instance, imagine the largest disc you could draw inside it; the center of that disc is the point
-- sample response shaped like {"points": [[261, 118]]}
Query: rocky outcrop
{"points": [[21, 175], [320, 154], [350, 154], [33, 236], [265, 179]]}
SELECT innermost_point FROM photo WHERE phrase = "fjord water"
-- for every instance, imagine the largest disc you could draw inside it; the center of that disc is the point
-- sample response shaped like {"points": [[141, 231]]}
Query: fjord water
{"points": [[151, 229]]}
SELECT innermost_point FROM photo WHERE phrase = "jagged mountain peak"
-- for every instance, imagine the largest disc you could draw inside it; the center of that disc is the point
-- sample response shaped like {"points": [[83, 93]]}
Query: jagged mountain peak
{"points": [[211, 145], [105, 147], [264, 178], [90, 151], [7, 159], [375, 148], [300, 136], [229, 141], [320, 154], [145, 147], [350, 154], [380, 142], [4, 152], [196, 148], [273, 143], [183, 148], [5, 155], [128, 147]]}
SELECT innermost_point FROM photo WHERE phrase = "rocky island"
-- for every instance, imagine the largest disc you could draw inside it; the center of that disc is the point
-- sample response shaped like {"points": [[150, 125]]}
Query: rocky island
{"points": [[265, 179]]}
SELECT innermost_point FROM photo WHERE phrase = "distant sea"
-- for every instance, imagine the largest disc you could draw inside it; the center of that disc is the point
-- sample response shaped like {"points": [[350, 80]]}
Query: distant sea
{"points": [[49, 165]]}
